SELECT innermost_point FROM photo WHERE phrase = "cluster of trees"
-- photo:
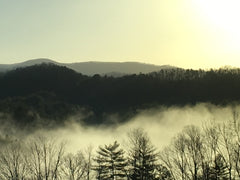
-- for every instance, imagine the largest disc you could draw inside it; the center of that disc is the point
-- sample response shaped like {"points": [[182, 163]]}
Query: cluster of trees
{"points": [[140, 163], [103, 95], [28, 110], [43, 159], [208, 153]]}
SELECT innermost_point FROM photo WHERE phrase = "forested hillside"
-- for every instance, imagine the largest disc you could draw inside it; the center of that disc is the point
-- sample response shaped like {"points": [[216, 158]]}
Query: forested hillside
{"points": [[55, 92]]}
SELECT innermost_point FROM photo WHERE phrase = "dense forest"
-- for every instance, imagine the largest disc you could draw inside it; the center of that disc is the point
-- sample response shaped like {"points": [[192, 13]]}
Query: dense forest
{"points": [[52, 92]]}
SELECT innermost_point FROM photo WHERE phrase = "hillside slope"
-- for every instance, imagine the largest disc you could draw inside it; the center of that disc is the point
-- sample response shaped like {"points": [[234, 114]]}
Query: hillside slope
{"points": [[91, 68]]}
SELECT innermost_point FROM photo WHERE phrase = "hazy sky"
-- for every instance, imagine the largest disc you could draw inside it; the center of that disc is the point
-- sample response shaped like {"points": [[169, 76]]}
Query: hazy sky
{"points": [[185, 33]]}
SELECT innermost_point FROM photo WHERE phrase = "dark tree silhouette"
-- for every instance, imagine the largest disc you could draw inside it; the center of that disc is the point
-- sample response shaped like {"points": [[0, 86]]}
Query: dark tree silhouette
{"points": [[110, 162], [162, 173], [219, 169], [74, 167], [142, 156], [100, 95]]}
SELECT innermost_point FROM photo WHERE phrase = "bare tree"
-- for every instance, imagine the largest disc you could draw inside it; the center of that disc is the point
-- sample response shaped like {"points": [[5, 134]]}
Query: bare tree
{"points": [[45, 158], [13, 164], [184, 157], [236, 144], [194, 146], [179, 159], [74, 166], [226, 145], [166, 157], [88, 157], [211, 143]]}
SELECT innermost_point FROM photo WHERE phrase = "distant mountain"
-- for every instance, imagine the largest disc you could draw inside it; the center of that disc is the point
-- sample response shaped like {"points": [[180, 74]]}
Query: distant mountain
{"points": [[90, 68], [7, 67], [114, 68]]}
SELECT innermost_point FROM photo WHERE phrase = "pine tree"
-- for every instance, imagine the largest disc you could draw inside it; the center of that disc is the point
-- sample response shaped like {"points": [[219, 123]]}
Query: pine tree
{"points": [[110, 162], [163, 173], [216, 171], [142, 157], [219, 170]]}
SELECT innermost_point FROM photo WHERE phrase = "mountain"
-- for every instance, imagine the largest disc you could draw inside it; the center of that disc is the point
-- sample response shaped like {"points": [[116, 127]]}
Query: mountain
{"points": [[90, 68], [109, 68], [8, 67]]}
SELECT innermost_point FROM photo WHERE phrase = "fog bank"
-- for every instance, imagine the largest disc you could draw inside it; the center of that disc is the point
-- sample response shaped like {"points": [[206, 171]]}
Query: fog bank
{"points": [[160, 123]]}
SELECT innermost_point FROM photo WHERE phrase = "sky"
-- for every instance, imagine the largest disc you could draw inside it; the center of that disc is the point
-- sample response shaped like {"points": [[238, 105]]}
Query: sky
{"points": [[183, 33]]}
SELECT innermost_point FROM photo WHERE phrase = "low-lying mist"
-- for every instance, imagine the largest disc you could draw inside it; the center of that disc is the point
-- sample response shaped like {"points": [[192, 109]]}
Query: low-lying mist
{"points": [[174, 141], [161, 124]]}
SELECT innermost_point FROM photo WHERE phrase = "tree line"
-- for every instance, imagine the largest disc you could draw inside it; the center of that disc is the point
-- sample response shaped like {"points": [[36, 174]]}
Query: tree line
{"points": [[43, 159], [65, 91], [210, 152]]}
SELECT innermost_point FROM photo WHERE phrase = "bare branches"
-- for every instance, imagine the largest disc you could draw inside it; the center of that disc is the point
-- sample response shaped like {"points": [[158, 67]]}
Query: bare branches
{"points": [[74, 166], [13, 163], [45, 158]]}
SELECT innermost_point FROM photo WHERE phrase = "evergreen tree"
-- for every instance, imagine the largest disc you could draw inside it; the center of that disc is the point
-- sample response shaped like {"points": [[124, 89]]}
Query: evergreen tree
{"points": [[219, 170], [142, 157], [110, 162], [163, 173], [216, 171]]}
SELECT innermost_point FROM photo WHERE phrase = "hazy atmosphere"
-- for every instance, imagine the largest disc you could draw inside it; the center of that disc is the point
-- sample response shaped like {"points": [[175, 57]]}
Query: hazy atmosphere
{"points": [[185, 33], [120, 90], [161, 123]]}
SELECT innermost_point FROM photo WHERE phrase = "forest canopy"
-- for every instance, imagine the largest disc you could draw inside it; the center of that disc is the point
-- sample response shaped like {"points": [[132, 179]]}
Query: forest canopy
{"points": [[54, 92]]}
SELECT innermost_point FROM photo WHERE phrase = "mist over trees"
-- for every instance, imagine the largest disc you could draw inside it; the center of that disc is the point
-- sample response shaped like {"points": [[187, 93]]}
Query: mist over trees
{"points": [[46, 95], [52, 92], [210, 152], [207, 153], [41, 158]]}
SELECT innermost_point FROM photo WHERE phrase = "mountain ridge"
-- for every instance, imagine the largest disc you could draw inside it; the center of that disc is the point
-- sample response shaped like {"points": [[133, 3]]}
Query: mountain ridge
{"points": [[94, 67]]}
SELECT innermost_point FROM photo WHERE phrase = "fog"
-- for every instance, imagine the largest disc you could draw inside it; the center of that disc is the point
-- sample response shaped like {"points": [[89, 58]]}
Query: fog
{"points": [[161, 124], [57, 147]]}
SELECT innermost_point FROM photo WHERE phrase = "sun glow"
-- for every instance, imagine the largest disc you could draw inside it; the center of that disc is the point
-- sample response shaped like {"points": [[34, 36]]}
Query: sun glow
{"points": [[222, 21], [224, 14], [183, 33]]}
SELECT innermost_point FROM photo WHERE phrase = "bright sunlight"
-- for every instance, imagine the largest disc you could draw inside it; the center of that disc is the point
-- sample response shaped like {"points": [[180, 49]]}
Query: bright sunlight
{"points": [[223, 13]]}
